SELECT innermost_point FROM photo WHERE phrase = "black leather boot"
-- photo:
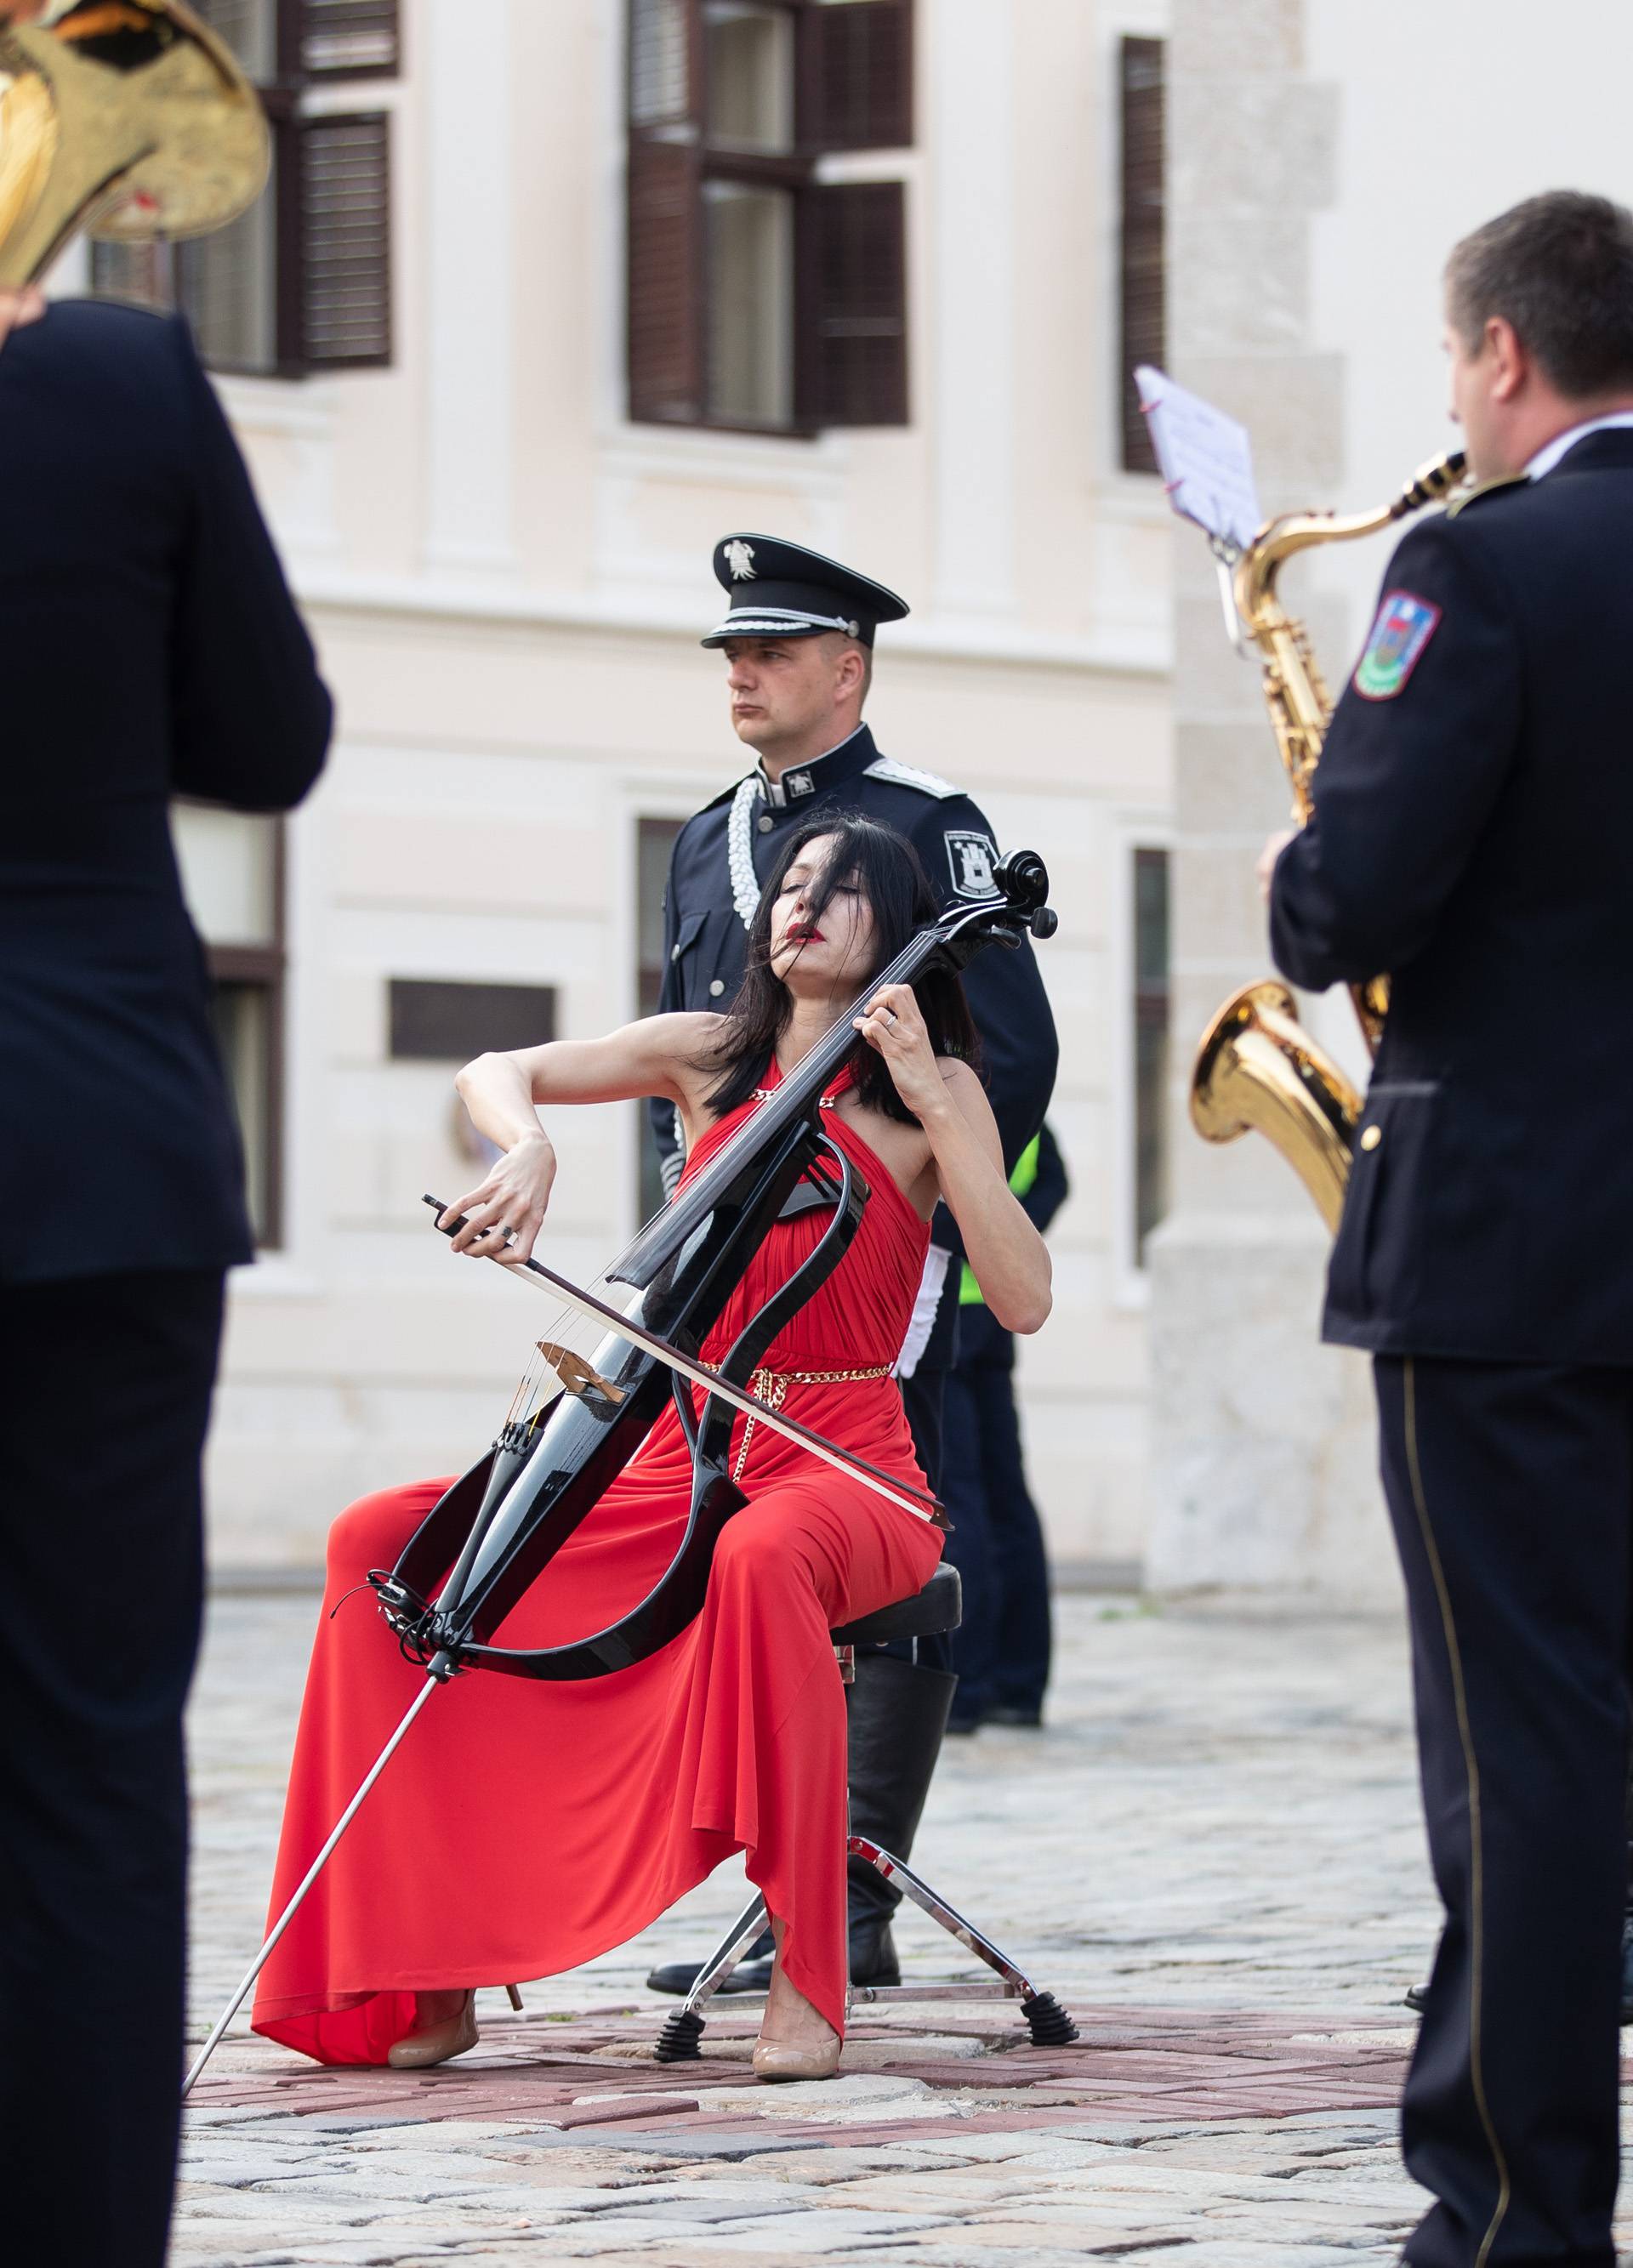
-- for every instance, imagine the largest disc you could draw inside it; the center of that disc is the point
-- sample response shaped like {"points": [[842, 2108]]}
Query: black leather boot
{"points": [[753, 1973], [898, 1714]]}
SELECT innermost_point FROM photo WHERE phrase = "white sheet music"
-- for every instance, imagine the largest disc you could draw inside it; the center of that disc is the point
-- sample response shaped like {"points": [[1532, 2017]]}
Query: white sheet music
{"points": [[1206, 459]]}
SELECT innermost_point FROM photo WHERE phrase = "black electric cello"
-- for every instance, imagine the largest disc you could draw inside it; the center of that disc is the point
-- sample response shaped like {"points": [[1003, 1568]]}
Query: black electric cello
{"points": [[496, 1529]]}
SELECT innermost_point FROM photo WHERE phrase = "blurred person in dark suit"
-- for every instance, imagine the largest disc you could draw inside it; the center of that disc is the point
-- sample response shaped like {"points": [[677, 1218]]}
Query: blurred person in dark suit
{"points": [[151, 649]]}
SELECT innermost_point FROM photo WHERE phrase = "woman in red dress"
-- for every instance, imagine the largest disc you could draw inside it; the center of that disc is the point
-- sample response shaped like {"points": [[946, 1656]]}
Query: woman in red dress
{"points": [[524, 1828]]}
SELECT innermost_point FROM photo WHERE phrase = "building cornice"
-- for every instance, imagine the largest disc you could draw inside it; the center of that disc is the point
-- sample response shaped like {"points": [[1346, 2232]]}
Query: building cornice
{"points": [[501, 604]]}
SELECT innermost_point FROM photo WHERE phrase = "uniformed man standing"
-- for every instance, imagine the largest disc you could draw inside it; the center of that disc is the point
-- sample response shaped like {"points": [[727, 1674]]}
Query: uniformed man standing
{"points": [[1473, 835], [798, 638]]}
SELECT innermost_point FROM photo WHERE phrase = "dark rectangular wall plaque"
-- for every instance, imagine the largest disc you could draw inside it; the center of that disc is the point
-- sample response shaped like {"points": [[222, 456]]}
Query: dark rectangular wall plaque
{"points": [[438, 1021]]}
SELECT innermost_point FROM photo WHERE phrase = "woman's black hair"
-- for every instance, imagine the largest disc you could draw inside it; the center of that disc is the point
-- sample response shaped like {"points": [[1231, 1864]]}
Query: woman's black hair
{"points": [[886, 869]]}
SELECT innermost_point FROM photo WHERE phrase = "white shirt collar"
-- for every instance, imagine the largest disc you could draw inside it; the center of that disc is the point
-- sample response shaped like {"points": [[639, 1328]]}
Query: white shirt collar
{"points": [[1549, 454]]}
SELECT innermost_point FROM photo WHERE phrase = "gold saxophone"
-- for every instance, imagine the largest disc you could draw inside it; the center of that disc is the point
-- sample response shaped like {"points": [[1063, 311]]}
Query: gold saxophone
{"points": [[1256, 1066]]}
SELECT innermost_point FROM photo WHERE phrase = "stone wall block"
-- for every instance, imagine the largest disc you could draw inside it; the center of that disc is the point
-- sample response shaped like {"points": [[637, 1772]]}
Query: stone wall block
{"points": [[1291, 405], [1257, 151], [1217, 917], [1231, 780], [1262, 1466], [1251, 36], [1244, 275], [1212, 680]]}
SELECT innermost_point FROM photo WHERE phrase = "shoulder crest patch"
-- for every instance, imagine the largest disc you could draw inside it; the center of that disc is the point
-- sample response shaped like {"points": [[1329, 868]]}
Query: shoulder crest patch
{"points": [[970, 858], [1404, 627]]}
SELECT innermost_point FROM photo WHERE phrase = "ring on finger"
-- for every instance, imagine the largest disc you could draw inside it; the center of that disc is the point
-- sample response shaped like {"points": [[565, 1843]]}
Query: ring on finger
{"points": [[511, 1239], [888, 1014]]}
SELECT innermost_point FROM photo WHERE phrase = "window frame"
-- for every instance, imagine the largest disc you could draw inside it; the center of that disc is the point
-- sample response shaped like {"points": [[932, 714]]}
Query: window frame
{"points": [[644, 814], [267, 968], [295, 100], [1135, 832], [800, 171], [1133, 455]]}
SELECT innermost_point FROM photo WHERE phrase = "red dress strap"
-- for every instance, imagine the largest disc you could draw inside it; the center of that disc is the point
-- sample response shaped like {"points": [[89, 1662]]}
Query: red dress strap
{"points": [[709, 1140]]}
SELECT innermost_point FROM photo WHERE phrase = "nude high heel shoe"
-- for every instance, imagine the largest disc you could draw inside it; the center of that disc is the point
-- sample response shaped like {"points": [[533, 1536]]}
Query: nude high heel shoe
{"points": [[816, 2056], [454, 2036], [774, 2061]]}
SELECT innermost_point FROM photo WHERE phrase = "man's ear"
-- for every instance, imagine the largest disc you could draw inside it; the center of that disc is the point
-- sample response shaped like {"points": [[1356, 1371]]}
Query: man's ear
{"points": [[851, 676], [1510, 363]]}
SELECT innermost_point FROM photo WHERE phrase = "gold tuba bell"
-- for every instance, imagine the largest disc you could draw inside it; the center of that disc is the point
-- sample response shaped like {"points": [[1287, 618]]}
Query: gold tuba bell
{"points": [[1256, 1066], [128, 118]]}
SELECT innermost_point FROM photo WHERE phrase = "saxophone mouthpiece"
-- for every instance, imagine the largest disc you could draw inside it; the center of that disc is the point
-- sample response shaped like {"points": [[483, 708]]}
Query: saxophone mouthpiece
{"points": [[1430, 482]]}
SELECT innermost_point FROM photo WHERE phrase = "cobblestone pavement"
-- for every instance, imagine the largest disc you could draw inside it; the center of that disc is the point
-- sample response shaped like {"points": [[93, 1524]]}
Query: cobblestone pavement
{"points": [[1212, 1855]]}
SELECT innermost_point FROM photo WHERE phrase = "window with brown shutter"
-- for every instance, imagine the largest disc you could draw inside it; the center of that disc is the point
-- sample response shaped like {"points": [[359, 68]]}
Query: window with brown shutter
{"points": [[1142, 279], [760, 300], [665, 285], [351, 39], [1150, 1020], [302, 282], [861, 74], [345, 241], [860, 321]]}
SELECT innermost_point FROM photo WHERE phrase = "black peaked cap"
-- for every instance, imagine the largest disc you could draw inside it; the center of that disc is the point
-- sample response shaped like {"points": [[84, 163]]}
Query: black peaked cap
{"points": [[782, 590]]}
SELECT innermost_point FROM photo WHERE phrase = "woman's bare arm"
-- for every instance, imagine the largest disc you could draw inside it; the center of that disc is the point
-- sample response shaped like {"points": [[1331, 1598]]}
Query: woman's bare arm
{"points": [[1011, 1259], [656, 1055]]}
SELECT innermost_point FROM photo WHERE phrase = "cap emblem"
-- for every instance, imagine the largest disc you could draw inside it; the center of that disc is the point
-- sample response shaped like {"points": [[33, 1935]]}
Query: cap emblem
{"points": [[739, 557]]}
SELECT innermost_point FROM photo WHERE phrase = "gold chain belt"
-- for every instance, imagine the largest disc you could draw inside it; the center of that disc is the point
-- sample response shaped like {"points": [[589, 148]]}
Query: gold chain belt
{"points": [[770, 1387]]}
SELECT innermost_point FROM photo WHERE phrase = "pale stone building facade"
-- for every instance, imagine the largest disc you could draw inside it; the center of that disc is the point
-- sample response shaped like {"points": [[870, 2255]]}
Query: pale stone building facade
{"points": [[507, 578]]}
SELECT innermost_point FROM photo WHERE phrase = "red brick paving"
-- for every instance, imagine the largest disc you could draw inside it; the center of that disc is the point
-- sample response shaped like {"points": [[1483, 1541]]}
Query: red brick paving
{"points": [[1201, 2067]]}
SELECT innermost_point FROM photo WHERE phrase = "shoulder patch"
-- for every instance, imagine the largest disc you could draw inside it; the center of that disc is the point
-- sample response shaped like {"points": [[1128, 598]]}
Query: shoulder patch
{"points": [[1404, 627], [970, 858], [886, 767], [1461, 502]]}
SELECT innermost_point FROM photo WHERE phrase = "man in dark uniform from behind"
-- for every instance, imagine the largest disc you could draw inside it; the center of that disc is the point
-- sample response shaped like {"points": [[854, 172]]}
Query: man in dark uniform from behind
{"points": [[151, 649], [798, 640], [1472, 834]]}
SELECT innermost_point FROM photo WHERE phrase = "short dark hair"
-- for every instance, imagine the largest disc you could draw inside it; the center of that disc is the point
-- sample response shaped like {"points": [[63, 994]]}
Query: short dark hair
{"points": [[892, 880], [1560, 269]]}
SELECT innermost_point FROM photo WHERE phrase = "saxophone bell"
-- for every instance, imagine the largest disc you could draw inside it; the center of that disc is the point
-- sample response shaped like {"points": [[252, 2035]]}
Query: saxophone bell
{"points": [[1258, 1070]]}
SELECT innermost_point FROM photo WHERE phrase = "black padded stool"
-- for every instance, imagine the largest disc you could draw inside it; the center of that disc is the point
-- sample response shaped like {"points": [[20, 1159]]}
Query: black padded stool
{"points": [[928, 1613]]}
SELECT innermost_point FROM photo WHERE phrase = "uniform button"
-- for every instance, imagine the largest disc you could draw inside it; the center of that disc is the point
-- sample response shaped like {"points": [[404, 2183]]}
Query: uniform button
{"points": [[675, 953], [1370, 1136], [716, 987], [765, 825]]}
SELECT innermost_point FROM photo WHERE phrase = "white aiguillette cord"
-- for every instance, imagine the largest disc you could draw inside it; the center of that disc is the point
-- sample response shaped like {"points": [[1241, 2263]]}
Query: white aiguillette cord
{"points": [[896, 1492]]}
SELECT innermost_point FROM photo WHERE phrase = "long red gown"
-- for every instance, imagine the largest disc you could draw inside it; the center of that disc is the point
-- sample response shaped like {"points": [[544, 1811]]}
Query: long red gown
{"points": [[524, 1828]]}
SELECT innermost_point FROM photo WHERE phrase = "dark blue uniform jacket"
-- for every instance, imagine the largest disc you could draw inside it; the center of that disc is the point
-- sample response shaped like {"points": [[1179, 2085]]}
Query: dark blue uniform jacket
{"points": [[149, 648], [705, 936], [1473, 837]]}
